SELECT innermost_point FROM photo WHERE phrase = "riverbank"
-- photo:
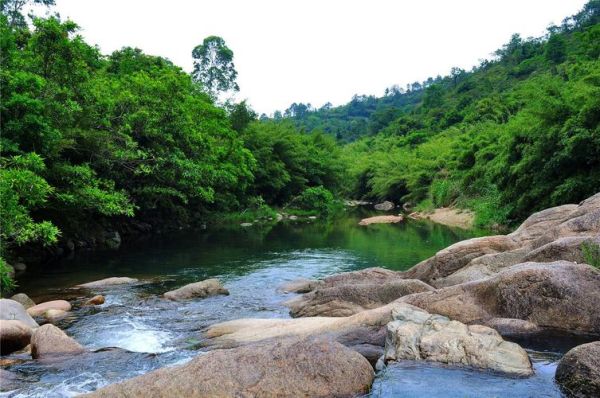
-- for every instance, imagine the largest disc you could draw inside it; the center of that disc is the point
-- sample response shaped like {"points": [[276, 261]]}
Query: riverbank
{"points": [[449, 216]]}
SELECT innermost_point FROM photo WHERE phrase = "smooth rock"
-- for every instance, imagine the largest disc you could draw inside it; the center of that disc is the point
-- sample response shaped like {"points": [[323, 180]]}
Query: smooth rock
{"points": [[12, 310], [300, 286], [385, 206], [346, 300], [206, 288], [116, 280], [23, 299], [578, 372], [558, 295], [41, 308], [512, 327], [418, 335], [246, 224], [96, 300], [381, 220], [288, 368], [14, 336], [48, 341], [54, 315]]}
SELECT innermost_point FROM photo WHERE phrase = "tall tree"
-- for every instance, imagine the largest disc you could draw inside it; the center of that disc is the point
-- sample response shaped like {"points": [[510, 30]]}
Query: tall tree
{"points": [[13, 10], [213, 66]]}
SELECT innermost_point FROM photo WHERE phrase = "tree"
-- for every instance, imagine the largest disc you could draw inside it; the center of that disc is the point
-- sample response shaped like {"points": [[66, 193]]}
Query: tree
{"points": [[12, 10], [213, 66]]}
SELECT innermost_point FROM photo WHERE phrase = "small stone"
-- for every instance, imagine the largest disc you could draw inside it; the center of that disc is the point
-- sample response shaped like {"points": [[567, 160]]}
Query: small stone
{"points": [[23, 299], [96, 300]]}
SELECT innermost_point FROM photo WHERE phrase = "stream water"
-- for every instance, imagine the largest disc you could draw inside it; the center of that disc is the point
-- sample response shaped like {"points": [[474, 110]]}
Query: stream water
{"points": [[136, 330]]}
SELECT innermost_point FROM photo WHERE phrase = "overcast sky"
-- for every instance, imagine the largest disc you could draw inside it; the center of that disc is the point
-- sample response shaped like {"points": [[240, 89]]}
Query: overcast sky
{"points": [[318, 51]]}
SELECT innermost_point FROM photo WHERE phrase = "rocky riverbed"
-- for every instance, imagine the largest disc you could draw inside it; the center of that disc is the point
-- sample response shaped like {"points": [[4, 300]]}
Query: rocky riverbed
{"points": [[470, 308]]}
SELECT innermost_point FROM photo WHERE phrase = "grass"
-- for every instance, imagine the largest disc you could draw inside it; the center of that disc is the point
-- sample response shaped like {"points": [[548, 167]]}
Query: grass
{"points": [[591, 253]]}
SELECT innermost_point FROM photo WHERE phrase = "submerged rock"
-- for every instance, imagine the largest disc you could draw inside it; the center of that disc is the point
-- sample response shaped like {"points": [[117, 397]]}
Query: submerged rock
{"points": [[206, 288], [49, 341], [288, 368], [558, 295], [385, 206], [14, 336], [12, 310], [115, 280], [418, 335], [41, 308], [578, 372], [23, 299], [381, 220], [9, 381], [346, 300]]}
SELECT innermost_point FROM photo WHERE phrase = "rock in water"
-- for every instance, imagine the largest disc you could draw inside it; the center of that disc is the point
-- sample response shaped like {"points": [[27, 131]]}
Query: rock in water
{"points": [[53, 315], [385, 206], [350, 299], [49, 341], [23, 299], [115, 280], [381, 220], [14, 335], [96, 300], [558, 295], [418, 335], [287, 368], [12, 310], [41, 308], [578, 372], [209, 287]]}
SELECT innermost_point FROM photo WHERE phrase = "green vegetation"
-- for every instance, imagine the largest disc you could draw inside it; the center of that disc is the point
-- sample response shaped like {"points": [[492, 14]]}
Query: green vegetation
{"points": [[92, 141], [517, 134], [591, 253]]}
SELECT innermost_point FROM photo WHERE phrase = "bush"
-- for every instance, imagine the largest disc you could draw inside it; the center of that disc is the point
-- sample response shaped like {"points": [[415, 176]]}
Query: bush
{"points": [[317, 198], [7, 284], [444, 192]]}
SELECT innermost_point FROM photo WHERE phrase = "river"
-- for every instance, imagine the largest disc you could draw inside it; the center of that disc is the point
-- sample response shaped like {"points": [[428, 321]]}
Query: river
{"points": [[150, 332]]}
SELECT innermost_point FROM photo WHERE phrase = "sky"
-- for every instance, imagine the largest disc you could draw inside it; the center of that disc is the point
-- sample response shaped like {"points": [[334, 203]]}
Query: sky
{"points": [[318, 51]]}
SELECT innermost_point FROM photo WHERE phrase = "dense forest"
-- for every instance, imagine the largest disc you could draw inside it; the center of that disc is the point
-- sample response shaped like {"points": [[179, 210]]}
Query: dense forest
{"points": [[132, 141], [517, 133]]}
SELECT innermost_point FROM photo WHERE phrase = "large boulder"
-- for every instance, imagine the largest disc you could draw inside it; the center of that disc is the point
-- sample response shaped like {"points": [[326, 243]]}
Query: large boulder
{"points": [[549, 235], [23, 299], [14, 336], [41, 308], [346, 300], [578, 372], [206, 288], [418, 335], [558, 295], [107, 282], [363, 332], [12, 310], [288, 368], [49, 342]]}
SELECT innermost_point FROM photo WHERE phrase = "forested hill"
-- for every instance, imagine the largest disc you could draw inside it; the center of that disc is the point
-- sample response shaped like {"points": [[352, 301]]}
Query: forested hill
{"points": [[102, 143], [363, 115], [516, 134]]}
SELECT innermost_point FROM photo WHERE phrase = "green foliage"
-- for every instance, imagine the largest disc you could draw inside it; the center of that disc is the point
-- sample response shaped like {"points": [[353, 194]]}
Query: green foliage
{"points": [[213, 66], [289, 162], [591, 253], [7, 284], [318, 199], [517, 134]]}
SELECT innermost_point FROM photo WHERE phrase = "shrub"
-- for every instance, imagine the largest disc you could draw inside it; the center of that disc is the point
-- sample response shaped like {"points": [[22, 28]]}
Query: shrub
{"points": [[317, 198], [7, 284]]}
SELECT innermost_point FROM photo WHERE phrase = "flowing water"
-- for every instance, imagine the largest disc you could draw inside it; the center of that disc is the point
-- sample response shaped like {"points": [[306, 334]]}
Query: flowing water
{"points": [[136, 330]]}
